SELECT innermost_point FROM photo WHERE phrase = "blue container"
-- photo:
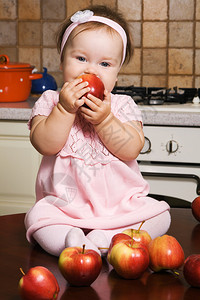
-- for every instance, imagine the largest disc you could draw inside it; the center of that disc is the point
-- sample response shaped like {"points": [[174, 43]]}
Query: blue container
{"points": [[47, 82]]}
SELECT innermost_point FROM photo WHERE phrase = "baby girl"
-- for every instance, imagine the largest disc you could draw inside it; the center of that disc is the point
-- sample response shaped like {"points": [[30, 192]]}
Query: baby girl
{"points": [[89, 186]]}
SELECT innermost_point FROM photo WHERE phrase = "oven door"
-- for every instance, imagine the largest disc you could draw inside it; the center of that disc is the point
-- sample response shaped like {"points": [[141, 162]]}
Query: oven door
{"points": [[172, 181]]}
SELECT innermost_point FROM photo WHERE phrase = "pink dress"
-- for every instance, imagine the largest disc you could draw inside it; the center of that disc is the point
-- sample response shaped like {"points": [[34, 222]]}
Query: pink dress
{"points": [[84, 185]]}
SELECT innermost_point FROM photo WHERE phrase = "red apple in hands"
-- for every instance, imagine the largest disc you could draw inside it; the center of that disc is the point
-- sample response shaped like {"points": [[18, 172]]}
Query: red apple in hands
{"points": [[165, 253], [95, 84], [80, 266], [38, 284], [191, 270], [129, 259], [140, 236], [196, 208]]}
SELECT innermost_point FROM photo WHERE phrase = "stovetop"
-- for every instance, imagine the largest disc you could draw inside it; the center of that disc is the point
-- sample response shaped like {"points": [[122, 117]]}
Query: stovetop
{"points": [[158, 95], [158, 99], [172, 107]]}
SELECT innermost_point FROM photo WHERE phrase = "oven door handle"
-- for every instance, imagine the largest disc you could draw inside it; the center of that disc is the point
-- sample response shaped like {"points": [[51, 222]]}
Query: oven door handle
{"points": [[175, 175]]}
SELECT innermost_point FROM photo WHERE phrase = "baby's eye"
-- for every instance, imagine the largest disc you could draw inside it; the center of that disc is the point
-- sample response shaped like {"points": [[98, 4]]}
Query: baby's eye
{"points": [[104, 64], [80, 58]]}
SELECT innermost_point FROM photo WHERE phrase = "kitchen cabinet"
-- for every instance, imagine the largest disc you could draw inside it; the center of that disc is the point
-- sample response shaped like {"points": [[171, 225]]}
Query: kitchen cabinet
{"points": [[19, 163]]}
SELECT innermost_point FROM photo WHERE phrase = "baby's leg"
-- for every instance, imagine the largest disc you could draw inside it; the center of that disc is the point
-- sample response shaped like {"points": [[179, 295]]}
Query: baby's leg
{"points": [[100, 240], [53, 239], [51, 236], [77, 238], [155, 226]]}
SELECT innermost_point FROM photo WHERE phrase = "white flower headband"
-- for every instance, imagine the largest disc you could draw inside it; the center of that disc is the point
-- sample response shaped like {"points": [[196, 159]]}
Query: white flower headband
{"points": [[88, 16]]}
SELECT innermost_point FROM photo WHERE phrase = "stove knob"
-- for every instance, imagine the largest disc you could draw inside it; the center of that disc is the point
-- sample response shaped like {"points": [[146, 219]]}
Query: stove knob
{"points": [[172, 146], [147, 146]]}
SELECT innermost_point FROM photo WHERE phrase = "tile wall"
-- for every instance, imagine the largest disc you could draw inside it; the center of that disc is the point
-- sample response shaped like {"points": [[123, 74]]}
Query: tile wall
{"points": [[166, 36]]}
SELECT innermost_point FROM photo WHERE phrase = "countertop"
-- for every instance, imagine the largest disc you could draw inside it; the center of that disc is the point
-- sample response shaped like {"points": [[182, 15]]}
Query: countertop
{"points": [[19, 111], [171, 115]]}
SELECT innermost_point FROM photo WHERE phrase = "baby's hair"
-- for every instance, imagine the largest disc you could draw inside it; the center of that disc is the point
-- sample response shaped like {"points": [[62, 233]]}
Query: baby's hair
{"points": [[103, 11]]}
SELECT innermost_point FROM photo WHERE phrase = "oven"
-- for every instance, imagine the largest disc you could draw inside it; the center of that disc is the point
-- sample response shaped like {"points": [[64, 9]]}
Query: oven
{"points": [[170, 158], [170, 161]]}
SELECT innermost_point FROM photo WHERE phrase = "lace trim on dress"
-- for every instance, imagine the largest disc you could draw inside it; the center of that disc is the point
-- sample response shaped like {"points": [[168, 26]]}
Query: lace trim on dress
{"points": [[84, 143]]}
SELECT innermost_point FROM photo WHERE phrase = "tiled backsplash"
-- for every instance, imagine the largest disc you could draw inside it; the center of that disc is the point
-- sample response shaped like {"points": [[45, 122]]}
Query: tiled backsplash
{"points": [[166, 36]]}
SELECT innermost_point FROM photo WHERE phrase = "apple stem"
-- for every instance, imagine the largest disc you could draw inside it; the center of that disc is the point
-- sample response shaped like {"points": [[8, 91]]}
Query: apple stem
{"points": [[83, 251], [131, 233], [22, 271], [102, 248], [140, 226], [176, 273]]}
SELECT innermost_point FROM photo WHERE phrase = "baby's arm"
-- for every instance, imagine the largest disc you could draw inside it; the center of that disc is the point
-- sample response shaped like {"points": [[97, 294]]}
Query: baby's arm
{"points": [[49, 134], [124, 140]]}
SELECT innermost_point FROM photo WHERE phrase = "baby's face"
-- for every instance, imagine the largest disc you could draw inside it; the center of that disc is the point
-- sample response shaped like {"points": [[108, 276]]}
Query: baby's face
{"points": [[93, 51]]}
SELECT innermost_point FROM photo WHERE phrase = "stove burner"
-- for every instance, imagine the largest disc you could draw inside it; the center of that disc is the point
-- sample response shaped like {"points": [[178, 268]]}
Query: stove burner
{"points": [[158, 95]]}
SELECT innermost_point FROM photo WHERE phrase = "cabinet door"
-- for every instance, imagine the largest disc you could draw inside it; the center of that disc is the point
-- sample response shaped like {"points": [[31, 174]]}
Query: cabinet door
{"points": [[19, 163]]}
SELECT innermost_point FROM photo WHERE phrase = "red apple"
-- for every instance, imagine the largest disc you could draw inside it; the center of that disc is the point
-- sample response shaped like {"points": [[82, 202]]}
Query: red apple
{"points": [[118, 238], [38, 284], [196, 208], [95, 84], [191, 270], [129, 259], [80, 266], [165, 253], [140, 236]]}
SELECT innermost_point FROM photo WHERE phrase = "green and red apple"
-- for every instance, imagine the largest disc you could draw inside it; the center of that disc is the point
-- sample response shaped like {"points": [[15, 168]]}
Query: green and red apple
{"points": [[140, 236], [118, 238], [129, 259]]}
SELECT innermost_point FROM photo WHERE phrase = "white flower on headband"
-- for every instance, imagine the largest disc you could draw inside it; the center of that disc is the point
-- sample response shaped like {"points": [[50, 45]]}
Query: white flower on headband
{"points": [[82, 16]]}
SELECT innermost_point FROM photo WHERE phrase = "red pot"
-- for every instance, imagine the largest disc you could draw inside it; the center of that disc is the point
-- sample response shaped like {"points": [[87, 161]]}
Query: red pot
{"points": [[15, 80]]}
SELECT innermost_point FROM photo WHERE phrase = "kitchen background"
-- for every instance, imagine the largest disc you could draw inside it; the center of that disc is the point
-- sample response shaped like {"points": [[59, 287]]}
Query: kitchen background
{"points": [[166, 36]]}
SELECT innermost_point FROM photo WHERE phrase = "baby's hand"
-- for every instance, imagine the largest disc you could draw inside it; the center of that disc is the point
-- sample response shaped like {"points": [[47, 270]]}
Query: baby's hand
{"points": [[98, 110], [71, 95]]}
